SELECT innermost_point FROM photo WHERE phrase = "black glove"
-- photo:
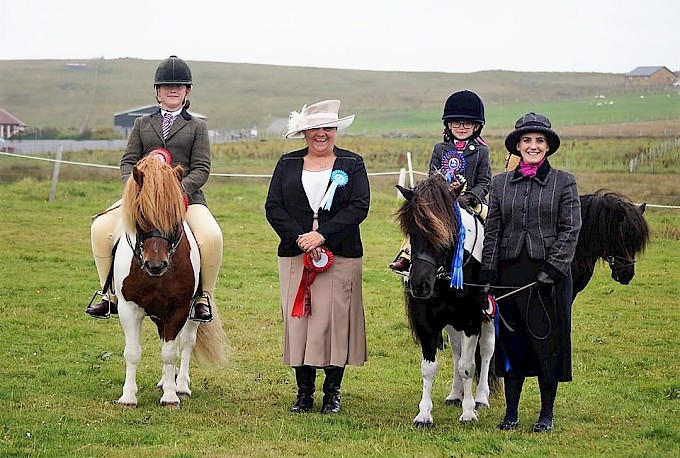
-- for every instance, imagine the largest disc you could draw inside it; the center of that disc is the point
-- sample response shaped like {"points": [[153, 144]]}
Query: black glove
{"points": [[469, 199], [544, 279]]}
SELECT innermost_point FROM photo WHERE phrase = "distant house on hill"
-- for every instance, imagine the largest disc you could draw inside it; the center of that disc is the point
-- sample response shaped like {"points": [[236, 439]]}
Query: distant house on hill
{"points": [[124, 120], [651, 76], [10, 124]]}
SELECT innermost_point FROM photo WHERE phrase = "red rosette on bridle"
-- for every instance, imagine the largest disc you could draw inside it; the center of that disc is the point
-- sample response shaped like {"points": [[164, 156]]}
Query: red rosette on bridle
{"points": [[162, 155], [303, 299]]}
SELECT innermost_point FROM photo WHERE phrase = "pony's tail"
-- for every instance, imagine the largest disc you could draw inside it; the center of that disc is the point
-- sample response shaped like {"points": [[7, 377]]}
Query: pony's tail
{"points": [[211, 341]]}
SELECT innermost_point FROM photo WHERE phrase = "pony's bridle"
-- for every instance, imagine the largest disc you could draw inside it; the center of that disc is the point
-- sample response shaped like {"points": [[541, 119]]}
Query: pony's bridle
{"points": [[442, 271], [142, 236], [619, 262]]}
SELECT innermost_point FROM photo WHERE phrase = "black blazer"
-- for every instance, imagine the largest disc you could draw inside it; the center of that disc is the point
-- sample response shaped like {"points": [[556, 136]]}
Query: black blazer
{"points": [[288, 212]]}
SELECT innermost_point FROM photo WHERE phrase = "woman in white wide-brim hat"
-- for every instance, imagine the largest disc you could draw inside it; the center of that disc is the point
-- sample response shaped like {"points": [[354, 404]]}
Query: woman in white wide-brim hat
{"points": [[318, 197]]}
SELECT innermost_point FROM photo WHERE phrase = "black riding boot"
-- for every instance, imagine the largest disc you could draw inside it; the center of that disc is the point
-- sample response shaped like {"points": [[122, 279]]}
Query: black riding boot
{"points": [[305, 377], [545, 418], [513, 391], [331, 389]]}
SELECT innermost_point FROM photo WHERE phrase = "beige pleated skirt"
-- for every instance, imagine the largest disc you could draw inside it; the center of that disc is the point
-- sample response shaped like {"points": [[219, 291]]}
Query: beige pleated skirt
{"points": [[334, 334]]}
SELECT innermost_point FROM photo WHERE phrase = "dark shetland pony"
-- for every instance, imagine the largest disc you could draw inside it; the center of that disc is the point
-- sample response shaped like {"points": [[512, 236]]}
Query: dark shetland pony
{"points": [[613, 230], [156, 274], [427, 216]]}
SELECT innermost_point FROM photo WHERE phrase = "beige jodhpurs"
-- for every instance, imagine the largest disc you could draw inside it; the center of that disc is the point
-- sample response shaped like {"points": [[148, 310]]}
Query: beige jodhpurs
{"points": [[105, 230]]}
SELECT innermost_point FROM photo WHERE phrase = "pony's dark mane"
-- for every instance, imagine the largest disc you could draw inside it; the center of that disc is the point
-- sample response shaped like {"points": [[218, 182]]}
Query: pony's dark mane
{"points": [[430, 212], [605, 213]]}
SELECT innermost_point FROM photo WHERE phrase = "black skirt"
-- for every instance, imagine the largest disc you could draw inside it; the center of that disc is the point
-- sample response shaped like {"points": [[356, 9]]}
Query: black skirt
{"points": [[534, 334]]}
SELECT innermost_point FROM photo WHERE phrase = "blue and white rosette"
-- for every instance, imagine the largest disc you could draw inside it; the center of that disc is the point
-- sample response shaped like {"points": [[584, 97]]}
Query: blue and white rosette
{"points": [[339, 178]]}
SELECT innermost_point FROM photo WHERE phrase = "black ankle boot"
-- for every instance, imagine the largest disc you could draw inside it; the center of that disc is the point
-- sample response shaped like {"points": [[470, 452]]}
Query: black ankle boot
{"points": [[331, 389], [305, 377]]}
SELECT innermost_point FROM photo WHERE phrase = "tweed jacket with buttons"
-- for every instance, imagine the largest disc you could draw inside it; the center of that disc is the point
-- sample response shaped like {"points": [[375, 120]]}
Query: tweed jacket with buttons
{"points": [[187, 142], [541, 215]]}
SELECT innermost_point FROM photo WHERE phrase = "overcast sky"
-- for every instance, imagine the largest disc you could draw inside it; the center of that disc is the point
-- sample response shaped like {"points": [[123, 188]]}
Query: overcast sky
{"points": [[607, 36]]}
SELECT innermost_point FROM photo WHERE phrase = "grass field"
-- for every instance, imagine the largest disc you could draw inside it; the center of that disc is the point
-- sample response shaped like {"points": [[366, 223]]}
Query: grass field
{"points": [[63, 371]]}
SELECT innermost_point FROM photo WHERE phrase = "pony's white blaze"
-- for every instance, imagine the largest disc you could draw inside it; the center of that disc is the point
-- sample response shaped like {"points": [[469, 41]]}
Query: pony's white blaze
{"points": [[174, 382]]}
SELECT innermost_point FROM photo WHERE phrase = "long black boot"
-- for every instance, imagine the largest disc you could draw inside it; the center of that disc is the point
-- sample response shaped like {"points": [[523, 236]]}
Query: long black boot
{"points": [[545, 418], [513, 391], [331, 389], [305, 377]]}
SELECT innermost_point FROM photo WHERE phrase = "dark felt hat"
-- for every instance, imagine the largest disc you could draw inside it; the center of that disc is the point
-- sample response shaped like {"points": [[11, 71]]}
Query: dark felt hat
{"points": [[532, 123]]}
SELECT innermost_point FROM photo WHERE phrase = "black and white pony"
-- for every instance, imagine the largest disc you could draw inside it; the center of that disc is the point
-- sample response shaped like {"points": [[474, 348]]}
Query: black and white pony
{"points": [[613, 230], [431, 218]]}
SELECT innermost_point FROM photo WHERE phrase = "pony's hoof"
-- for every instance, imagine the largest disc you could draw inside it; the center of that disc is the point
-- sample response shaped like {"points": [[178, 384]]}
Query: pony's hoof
{"points": [[481, 405], [129, 405], [454, 402], [171, 404], [468, 418], [184, 394], [423, 424]]}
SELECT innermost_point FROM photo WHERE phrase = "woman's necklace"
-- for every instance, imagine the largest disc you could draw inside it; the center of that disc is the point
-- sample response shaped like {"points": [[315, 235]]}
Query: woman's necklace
{"points": [[321, 164]]}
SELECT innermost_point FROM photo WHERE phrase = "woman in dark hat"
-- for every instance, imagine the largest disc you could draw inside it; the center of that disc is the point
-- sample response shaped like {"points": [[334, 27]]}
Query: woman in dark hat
{"points": [[318, 197], [530, 238]]}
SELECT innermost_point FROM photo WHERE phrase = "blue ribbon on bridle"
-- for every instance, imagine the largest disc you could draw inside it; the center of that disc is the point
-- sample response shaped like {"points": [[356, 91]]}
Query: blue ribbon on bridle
{"points": [[457, 262]]}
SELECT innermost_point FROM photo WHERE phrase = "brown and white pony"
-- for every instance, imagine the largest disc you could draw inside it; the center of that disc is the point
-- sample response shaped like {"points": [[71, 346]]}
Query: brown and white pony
{"points": [[156, 274]]}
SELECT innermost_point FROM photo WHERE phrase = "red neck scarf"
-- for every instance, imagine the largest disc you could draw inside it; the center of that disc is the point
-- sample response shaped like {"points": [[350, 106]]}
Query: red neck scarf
{"points": [[529, 170]]}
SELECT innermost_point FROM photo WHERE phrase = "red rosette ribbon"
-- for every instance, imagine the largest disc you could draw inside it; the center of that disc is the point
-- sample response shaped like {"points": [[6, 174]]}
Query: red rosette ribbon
{"points": [[303, 299], [162, 155], [491, 308]]}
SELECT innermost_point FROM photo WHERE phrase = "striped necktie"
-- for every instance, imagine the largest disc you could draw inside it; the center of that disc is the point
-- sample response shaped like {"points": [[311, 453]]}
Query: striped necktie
{"points": [[167, 124]]}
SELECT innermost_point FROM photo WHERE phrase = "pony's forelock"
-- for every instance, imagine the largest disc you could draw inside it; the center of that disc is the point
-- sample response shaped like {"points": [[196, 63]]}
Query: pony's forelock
{"points": [[156, 203], [430, 210]]}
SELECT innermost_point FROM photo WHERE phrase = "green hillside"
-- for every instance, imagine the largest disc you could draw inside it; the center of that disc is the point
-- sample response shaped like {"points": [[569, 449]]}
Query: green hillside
{"points": [[52, 94]]}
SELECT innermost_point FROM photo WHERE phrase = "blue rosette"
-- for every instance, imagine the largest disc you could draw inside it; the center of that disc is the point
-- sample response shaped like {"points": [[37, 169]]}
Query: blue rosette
{"points": [[454, 162], [457, 262], [339, 178]]}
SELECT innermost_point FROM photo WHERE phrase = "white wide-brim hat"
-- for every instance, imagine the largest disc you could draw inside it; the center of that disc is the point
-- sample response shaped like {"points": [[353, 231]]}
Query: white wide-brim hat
{"points": [[319, 114]]}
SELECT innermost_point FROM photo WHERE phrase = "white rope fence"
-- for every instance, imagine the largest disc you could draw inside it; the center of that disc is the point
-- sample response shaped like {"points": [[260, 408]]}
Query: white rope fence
{"points": [[401, 173]]}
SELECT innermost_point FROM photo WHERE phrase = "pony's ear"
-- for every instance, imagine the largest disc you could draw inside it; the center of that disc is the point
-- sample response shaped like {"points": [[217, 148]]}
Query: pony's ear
{"points": [[138, 175], [642, 208], [407, 193]]}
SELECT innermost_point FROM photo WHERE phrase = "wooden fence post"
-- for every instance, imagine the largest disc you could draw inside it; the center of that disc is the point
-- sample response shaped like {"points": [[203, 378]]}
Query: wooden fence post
{"points": [[55, 173]]}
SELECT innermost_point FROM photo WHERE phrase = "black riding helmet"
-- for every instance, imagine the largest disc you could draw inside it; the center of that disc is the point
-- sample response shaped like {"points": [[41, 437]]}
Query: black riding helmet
{"points": [[173, 70], [464, 105]]}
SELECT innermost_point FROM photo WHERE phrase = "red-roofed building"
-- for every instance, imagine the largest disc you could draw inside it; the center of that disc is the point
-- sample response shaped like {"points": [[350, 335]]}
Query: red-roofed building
{"points": [[10, 124]]}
